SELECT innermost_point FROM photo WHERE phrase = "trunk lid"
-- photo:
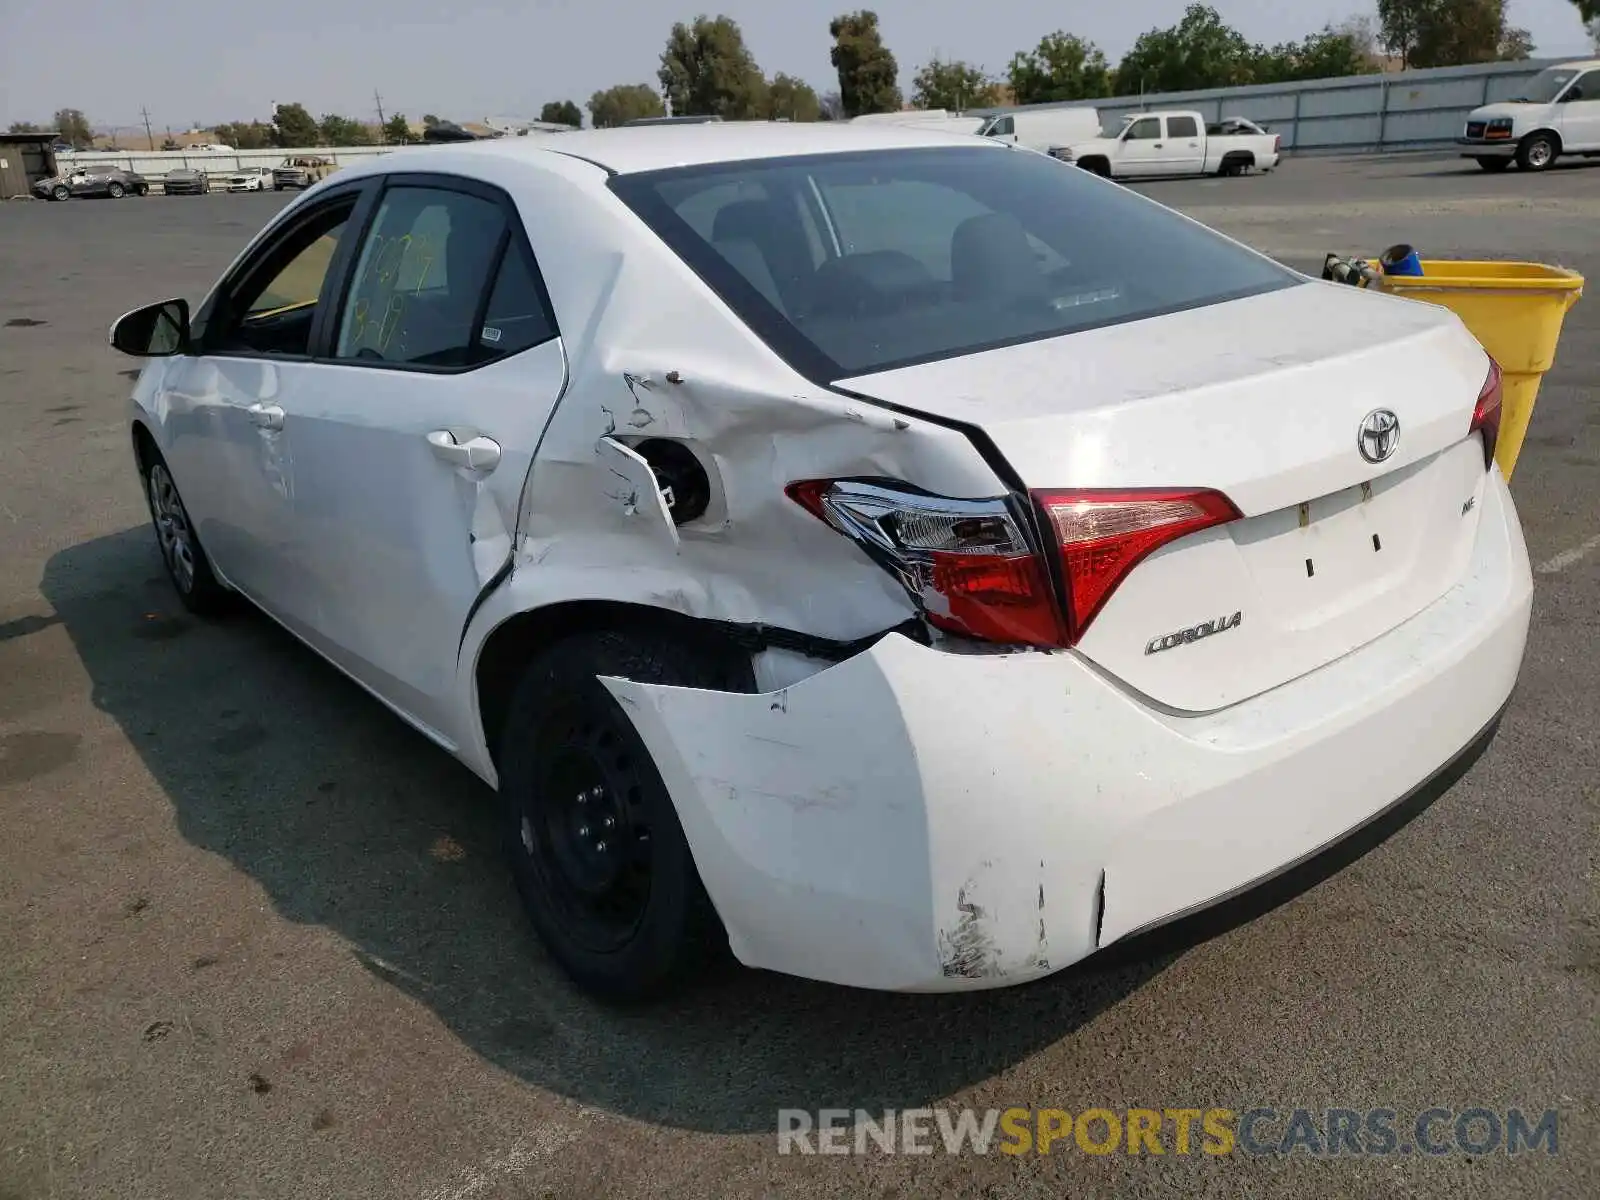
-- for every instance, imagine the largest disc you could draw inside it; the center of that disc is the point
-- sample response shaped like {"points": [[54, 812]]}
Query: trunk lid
{"points": [[1261, 399]]}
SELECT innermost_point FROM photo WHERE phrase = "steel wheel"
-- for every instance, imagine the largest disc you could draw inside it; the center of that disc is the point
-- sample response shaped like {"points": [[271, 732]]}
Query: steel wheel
{"points": [[173, 531], [1537, 153], [585, 830]]}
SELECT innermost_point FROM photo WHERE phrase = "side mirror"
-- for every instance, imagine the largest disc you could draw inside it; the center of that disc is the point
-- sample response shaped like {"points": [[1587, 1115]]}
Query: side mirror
{"points": [[154, 331]]}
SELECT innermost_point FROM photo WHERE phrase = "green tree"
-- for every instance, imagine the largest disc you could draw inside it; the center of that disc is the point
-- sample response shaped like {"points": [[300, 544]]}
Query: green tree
{"points": [[1200, 51], [1516, 45], [343, 131], [706, 70], [868, 74], [1330, 54], [952, 85], [792, 99], [562, 112], [244, 135], [1589, 10], [396, 130], [294, 126], [625, 102], [73, 127], [26, 127], [1448, 33], [1061, 67]]}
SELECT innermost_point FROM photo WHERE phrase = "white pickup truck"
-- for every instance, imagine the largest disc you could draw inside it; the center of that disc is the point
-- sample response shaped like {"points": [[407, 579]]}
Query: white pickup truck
{"points": [[1173, 143]]}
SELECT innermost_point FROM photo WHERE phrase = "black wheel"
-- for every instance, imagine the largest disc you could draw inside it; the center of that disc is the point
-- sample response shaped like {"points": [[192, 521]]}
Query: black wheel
{"points": [[176, 537], [1537, 152], [115, 190], [142, 190], [599, 857], [1493, 165], [60, 192]]}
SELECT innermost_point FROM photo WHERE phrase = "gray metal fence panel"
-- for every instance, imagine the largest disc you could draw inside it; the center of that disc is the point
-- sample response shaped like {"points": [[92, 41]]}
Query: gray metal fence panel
{"points": [[1401, 110]]}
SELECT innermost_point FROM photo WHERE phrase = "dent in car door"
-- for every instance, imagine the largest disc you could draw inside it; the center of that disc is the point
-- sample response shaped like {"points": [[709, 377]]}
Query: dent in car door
{"points": [[444, 366], [254, 356]]}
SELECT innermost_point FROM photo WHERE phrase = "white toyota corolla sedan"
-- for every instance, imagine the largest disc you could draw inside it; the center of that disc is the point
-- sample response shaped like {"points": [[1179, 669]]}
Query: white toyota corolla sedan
{"points": [[869, 548]]}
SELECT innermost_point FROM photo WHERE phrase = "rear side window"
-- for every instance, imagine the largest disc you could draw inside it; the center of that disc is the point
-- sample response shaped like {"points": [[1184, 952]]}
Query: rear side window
{"points": [[1182, 127], [932, 253], [441, 282]]}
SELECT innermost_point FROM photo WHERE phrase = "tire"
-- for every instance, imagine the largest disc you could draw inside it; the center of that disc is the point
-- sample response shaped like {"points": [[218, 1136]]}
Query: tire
{"points": [[142, 190], [176, 538], [599, 858], [115, 190], [1537, 152], [1493, 165], [60, 192]]}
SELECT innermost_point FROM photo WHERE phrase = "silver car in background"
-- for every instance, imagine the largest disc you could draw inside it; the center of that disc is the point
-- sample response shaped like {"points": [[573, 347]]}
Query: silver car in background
{"points": [[97, 179], [186, 181]]}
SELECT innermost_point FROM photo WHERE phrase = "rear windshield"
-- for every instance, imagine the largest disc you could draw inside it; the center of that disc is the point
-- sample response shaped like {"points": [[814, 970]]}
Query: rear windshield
{"points": [[852, 263]]}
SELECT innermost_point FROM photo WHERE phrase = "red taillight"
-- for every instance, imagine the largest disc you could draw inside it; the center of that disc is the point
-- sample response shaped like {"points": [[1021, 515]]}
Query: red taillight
{"points": [[1486, 413], [966, 564], [1105, 534], [970, 569]]}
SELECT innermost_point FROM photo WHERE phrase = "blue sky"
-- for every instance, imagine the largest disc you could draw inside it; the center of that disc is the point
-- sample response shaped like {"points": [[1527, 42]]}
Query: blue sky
{"points": [[202, 61]]}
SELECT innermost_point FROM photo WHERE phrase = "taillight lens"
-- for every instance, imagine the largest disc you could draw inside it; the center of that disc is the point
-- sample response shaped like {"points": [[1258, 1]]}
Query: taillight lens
{"points": [[970, 569], [1105, 534], [1486, 413], [965, 563]]}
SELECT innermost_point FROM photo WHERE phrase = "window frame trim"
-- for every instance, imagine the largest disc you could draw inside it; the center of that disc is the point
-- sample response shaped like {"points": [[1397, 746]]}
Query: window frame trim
{"points": [[513, 238]]}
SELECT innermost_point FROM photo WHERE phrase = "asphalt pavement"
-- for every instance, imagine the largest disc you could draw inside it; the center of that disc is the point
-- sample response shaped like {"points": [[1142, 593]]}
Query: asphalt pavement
{"points": [[256, 940]]}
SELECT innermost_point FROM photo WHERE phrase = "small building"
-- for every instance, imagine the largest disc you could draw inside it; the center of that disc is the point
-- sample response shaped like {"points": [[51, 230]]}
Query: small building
{"points": [[25, 158]]}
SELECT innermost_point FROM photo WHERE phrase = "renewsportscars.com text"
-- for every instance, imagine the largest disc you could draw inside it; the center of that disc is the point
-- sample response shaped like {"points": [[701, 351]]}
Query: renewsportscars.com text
{"points": [[1259, 1131]]}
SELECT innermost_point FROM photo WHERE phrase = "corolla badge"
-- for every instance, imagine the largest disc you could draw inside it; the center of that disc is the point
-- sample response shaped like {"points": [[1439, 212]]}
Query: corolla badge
{"points": [[1193, 634], [1379, 435]]}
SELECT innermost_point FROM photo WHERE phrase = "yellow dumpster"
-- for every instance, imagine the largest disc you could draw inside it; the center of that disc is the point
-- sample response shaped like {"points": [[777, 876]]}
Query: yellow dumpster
{"points": [[1515, 310]]}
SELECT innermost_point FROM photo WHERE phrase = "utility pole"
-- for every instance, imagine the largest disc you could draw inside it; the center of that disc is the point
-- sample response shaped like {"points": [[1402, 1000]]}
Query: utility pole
{"points": [[378, 100], [145, 113]]}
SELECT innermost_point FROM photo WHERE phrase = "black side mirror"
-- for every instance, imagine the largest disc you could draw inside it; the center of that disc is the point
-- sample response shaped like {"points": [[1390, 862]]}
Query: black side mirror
{"points": [[154, 331]]}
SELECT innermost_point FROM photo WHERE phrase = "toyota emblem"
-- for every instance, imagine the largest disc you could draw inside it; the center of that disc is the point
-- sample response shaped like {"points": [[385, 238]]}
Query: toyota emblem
{"points": [[1379, 436]]}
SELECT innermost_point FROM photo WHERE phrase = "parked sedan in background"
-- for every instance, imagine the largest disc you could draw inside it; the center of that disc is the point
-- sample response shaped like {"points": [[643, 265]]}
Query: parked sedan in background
{"points": [[186, 181], [95, 179], [250, 179]]}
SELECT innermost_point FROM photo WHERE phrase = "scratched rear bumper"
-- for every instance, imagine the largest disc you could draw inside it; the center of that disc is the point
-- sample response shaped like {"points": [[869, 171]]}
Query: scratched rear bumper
{"points": [[917, 820]]}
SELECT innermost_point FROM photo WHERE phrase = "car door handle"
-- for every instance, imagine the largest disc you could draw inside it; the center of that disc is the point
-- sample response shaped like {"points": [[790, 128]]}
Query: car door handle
{"points": [[266, 416], [475, 454], [1158, 145]]}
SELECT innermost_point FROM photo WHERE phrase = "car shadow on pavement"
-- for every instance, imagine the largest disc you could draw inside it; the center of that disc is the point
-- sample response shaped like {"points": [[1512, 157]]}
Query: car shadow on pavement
{"points": [[348, 819]]}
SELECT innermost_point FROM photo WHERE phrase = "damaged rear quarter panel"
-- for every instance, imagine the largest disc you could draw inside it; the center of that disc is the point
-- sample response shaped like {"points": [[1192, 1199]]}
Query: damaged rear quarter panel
{"points": [[653, 353]]}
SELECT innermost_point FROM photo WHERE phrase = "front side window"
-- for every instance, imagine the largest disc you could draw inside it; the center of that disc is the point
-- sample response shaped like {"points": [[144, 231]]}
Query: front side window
{"points": [[1145, 129], [272, 309], [1583, 88], [934, 252], [1544, 87]]}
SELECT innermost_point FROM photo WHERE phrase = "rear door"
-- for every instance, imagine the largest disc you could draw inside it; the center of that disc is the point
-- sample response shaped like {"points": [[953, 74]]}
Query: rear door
{"points": [[441, 365], [1185, 145]]}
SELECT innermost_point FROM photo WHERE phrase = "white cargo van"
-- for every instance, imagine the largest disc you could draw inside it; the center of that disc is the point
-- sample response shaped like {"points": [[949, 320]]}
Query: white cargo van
{"points": [[1044, 129]]}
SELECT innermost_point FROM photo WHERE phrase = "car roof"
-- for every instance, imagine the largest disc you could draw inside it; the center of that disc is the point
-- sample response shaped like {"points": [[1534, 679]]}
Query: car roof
{"points": [[1578, 65], [628, 151]]}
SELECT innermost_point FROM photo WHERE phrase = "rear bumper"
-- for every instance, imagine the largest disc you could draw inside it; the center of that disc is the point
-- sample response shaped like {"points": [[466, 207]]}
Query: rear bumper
{"points": [[919, 820]]}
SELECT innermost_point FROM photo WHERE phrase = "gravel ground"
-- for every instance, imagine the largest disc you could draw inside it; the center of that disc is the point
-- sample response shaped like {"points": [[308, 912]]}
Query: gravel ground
{"points": [[255, 940]]}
